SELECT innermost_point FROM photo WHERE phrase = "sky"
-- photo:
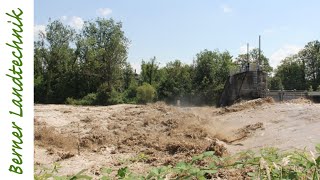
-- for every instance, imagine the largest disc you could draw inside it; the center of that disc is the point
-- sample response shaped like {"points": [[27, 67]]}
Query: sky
{"points": [[179, 29]]}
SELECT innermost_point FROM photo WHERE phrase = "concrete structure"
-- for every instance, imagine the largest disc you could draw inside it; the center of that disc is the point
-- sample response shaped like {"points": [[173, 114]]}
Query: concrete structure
{"points": [[249, 82]]}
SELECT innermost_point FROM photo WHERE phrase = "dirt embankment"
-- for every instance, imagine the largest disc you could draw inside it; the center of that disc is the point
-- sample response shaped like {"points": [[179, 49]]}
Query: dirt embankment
{"points": [[157, 134]]}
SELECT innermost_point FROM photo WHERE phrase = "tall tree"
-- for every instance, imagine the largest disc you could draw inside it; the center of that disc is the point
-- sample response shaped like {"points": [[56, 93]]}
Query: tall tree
{"points": [[301, 71], [128, 76], [102, 49], [291, 73], [211, 70], [105, 48], [177, 82], [310, 57], [53, 61], [149, 71]]}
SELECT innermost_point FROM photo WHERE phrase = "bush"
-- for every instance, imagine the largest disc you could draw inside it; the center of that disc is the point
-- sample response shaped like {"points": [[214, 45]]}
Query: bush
{"points": [[89, 99], [130, 95], [71, 101], [145, 93], [104, 96], [108, 96]]}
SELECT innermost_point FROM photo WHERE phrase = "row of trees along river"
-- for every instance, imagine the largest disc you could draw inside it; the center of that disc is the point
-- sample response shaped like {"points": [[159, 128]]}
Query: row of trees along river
{"points": [[90, 67]]}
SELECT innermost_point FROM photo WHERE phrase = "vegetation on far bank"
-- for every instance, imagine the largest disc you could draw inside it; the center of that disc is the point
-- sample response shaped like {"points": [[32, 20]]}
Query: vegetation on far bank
{"points": [[90, 67]]}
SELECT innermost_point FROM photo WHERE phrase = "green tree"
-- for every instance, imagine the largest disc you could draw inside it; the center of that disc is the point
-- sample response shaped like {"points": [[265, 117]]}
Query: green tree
{"points": [[130, 84], [149, 71], [301, 71], [291, 73], [177, 82], [211, 70], [128, 76], [70, 64], [102, 52], [275, 83], [310, 57], [54, 59], [39, 70]]}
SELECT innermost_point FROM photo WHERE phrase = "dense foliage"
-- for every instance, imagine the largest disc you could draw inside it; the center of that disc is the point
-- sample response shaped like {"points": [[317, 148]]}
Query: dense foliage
{"points": [[89, 67], [302, 70]]}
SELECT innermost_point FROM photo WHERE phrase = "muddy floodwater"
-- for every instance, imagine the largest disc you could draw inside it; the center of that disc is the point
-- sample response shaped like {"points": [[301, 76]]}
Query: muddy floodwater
{"points": [[143, 136]]}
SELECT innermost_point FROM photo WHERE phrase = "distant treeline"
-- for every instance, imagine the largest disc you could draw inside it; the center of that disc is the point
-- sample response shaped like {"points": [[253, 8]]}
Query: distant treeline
{"points": [[89, 67], [300, 71]]}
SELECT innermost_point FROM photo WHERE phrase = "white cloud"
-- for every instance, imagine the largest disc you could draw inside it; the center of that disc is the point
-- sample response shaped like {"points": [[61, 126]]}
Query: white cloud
{"points": [[64, 18], [74, 21], [104, 12], [282, 53], [37, 29], [226, 9]]}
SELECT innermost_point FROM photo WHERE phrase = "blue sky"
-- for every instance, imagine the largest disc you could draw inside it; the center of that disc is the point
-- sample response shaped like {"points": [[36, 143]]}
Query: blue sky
{"points": [[177, 29]]}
